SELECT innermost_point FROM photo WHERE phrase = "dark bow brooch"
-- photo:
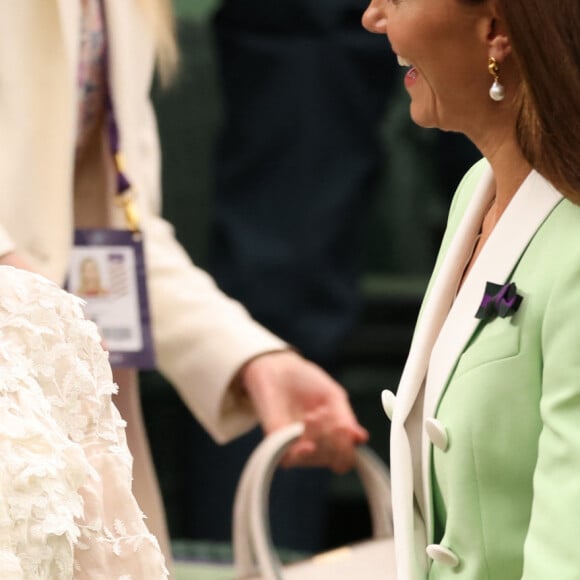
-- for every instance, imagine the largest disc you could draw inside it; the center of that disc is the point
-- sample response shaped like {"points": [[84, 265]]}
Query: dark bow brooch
{"points": [[499, 301]]}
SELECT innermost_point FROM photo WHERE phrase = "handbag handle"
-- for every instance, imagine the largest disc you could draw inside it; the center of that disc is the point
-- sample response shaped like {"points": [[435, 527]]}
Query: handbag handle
{"points": [[254, 553]]}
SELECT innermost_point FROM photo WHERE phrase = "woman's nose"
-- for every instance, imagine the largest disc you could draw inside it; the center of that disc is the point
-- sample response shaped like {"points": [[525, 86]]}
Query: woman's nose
{"points": [[374, 18]]}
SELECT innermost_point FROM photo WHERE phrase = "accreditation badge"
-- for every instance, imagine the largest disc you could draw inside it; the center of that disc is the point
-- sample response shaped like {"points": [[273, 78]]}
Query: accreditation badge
{"points": [[107, 270]]}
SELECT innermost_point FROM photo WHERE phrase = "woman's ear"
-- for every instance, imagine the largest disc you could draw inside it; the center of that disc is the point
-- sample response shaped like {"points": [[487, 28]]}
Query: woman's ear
{"points": [[499, 46], [497, 36]]}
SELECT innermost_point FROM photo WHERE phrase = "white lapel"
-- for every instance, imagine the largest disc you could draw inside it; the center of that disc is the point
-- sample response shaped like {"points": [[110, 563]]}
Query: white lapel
{"points": [[131, 60], [117, 17], [131, 56], [440, 298], [528, 209], [410, 557]]}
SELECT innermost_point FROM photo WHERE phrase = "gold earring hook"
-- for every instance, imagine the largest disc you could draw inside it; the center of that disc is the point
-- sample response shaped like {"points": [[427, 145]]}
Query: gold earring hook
{"points": [[493, 68]]}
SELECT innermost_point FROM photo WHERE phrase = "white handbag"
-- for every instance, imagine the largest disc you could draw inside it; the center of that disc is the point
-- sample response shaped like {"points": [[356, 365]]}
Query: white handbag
{"points": [[254, 555]]}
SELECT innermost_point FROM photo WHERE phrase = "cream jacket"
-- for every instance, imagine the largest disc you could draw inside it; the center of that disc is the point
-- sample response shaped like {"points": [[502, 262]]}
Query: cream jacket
{"points": [[201, 336]]}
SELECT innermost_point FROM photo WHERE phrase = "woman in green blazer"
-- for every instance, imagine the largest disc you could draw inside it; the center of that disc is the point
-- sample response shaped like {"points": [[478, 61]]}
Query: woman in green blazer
{"points": [[485, 444]]}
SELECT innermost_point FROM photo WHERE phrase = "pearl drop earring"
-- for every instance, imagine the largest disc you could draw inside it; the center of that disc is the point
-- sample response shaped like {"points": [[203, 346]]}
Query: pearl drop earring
{"points": [[497, 90]]}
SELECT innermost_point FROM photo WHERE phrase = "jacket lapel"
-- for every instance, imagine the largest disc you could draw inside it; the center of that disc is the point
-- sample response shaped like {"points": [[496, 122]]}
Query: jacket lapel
{"points": [[440, 298], [410, 556], [131, 55], [70, 20], [131, 62], [531, 205]]}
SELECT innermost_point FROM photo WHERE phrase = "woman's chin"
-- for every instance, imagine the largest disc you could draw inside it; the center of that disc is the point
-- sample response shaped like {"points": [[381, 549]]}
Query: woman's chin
{"points": [[423, 118]]}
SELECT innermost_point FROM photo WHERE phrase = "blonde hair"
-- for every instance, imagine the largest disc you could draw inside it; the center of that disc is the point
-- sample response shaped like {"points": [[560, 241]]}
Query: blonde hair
{"points": [[159, 14]]}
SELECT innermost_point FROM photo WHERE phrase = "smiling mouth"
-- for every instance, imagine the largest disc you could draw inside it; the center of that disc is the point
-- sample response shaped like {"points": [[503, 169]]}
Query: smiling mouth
{"points": [[403, 62], [412, 73]]}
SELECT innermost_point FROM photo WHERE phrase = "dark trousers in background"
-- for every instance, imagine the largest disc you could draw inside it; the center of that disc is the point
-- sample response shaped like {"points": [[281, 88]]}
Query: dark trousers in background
{"points": [[304, 89], [304, 92]]}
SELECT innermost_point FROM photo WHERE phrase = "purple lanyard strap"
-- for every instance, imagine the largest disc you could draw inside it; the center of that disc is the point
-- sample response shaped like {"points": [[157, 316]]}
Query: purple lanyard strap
{"points": [[124, 193]]}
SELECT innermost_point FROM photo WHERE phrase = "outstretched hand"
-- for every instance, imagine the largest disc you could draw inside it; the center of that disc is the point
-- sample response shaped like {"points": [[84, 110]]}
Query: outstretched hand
{"points": [[285, 388]]}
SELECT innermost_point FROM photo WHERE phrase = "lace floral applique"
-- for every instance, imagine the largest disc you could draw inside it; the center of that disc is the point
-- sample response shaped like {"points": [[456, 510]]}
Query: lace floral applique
{"points": [[66, 506]]}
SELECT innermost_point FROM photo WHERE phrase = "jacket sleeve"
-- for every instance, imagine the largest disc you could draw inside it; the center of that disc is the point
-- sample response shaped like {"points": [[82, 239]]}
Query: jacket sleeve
{"points": [[202, 337], [551, 546], [6, 243]]}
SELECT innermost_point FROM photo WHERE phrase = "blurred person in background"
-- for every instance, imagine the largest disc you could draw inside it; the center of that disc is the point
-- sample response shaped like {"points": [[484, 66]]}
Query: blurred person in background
{"points": [[295, 172]]}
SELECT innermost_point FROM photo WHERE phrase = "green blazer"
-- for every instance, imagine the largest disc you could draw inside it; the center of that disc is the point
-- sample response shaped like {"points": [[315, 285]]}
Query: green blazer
{"points": [[485, 440]]}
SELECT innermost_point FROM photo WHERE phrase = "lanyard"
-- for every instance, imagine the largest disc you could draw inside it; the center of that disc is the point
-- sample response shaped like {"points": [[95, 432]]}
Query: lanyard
{"points": [[124, 190], [124, 194]]}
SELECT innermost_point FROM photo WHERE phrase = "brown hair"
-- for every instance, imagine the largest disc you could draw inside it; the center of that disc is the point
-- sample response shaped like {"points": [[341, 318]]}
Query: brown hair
{"points": [[546, 48], [546, 44]]}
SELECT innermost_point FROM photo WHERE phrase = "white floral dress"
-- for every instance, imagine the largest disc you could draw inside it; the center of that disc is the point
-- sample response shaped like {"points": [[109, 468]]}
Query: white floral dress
{"points": [[66, 506]]}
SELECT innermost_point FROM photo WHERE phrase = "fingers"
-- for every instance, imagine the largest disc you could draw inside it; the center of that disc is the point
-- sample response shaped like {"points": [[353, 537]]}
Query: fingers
{"points": [[305, 454], [325, 443], [285, 388], [344, 416], [360, 435], [300, 454], [350, 424]]}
